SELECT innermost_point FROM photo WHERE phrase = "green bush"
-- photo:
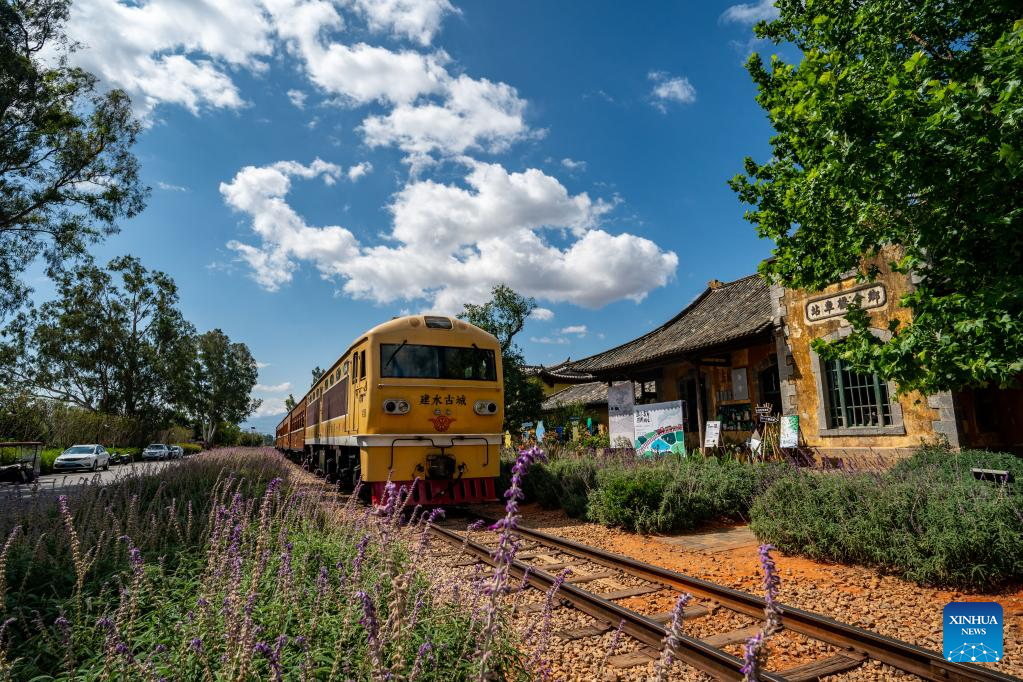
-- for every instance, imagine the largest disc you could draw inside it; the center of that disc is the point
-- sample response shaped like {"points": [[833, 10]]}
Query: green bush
{"points": [[46, 458], [562, 483], [926, 520], [190, 448], [630, 496]]}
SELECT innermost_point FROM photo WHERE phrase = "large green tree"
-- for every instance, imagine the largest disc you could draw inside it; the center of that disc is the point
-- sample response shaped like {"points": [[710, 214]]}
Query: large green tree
{"points": [[216, 388], [504, 315], [901, 126], [112, 341], [67, 173]]}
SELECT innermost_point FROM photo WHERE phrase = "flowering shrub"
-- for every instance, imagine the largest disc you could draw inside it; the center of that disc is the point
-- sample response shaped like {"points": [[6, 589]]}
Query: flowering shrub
{"points": [[222, 568], [927, 519]]}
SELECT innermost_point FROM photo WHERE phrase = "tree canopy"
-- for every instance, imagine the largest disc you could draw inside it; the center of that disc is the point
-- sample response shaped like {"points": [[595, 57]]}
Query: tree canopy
{"points": [[504, 315], [217, 386], [67, 173], [901, 131]]}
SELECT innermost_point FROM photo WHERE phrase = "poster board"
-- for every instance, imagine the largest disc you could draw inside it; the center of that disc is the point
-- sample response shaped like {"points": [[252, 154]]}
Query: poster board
{"points": [[712, 435], [659, 428], [621, 403], [789, 437]]}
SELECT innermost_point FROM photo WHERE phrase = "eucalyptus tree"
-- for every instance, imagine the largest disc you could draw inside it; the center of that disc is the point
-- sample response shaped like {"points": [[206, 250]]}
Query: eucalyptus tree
{"points": [[67, 173], [216, 386]]}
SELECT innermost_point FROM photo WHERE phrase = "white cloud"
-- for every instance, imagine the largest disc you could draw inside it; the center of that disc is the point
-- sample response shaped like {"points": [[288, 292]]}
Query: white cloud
{"points": [[260, 192], [573, 165], [475, 114], [558, 340], [542, 314], [417, 20], [359, 169], [261, 365], [278, 388], [750, 13], [579, 329], [168, 187], [668, 88], [271, 407], [451, 244], [297, 98], [171, 51]]}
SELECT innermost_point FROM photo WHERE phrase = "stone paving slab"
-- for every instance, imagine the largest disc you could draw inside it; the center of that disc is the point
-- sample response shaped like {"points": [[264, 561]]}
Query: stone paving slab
{"points": [[711, 541]]}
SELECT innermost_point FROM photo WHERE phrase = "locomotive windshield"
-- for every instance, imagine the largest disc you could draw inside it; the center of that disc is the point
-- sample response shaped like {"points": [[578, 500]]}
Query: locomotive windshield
{"points": [[412, 361]]}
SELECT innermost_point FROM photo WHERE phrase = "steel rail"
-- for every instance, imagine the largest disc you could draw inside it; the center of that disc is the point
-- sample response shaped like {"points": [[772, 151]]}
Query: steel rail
{"points": [[927, 664], [711, 660]]}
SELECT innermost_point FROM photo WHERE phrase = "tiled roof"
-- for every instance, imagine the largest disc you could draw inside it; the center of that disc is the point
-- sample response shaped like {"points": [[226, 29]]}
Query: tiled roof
{"points": [[593, 393], [721, 314]]}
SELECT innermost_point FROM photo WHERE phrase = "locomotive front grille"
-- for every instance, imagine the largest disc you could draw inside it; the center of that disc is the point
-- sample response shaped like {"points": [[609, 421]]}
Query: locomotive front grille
{"points": [[440, 467]]}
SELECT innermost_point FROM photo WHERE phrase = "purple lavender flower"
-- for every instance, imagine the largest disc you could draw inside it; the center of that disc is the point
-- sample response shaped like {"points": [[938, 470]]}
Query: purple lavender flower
{"points": [[424, 650], [672, 638], [196, 645], [360, 556], [754, 654]]}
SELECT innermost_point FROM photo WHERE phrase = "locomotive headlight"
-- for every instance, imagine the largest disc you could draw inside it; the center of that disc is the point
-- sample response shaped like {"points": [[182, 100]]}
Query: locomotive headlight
{"points": [[485, 407], [396, 406]]}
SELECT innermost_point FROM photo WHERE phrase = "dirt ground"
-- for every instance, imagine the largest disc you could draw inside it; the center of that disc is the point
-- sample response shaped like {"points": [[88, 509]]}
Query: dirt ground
{"points": [[859, 596]]}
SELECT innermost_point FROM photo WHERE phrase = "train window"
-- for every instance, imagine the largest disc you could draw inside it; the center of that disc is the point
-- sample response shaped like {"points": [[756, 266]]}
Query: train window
{"points": [[355, 365], [362, 365], [345, 369], [437, 362]]}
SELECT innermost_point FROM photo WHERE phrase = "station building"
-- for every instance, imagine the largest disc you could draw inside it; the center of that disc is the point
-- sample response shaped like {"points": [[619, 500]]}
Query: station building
{"points": [[747, 343]]}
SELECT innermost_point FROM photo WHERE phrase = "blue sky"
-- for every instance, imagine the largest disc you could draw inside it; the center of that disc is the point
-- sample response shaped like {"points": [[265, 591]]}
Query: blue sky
{"points": [[318, 167]]}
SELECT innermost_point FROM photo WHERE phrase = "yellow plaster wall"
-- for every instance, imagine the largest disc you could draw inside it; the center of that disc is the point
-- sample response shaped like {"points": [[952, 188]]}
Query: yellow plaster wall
{"points": [[917, 416]]}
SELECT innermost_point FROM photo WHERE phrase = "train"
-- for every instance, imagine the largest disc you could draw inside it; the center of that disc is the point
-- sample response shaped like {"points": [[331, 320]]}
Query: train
{"points": [[418, 398]]}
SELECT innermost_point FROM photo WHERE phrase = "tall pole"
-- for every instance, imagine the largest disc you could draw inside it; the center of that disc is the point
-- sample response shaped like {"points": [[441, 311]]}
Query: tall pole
{"points": [[699, 402]]}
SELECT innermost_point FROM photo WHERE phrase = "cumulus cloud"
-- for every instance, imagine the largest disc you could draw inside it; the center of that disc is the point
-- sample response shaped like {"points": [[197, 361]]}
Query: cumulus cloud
{"points": [[270, 407], [668, 88], [359, 169], [278, 388], [579, 329], [542, 314], [171, 51], [417, 20], [450, 244], [573, 165], [750, 13]]}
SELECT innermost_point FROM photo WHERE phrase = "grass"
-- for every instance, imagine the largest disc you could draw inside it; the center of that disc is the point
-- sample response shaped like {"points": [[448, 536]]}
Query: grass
{"points": [[221, 568]]}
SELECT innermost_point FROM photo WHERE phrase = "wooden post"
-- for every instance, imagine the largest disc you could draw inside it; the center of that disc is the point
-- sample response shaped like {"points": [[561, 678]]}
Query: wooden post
{"points": [[699, 403]]}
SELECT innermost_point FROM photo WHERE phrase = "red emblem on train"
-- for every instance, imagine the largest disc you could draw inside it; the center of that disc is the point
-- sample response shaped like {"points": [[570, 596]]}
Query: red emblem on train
{"points": [[441, 422]]}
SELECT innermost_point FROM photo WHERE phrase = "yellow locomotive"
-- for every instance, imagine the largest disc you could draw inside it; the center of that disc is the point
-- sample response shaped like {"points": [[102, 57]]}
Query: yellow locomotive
{"points": [[418, 397]]}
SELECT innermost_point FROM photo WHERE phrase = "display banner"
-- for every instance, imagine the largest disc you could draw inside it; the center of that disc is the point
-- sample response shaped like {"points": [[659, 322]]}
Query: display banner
{"points": [[712, 435], [789, 431], [621, 402], [658, 428]]}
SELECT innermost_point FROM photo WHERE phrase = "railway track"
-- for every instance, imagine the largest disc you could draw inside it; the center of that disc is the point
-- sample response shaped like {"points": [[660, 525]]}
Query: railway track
{"points": [[853, 645]]}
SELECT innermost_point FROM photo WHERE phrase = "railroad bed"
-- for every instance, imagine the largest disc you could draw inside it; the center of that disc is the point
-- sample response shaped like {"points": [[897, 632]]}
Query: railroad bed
{"points": [[718, 620]]}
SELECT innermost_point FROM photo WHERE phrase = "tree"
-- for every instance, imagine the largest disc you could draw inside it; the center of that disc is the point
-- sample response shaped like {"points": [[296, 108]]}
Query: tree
{"points": [[217, 387], [504, 315], [66, 170], [317, 373], [900, 132], [112, 341], [289, 402]]}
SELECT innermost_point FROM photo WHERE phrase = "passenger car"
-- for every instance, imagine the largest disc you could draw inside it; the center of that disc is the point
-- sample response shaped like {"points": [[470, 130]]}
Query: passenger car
{"points": [[156, 451], [89, 457]]}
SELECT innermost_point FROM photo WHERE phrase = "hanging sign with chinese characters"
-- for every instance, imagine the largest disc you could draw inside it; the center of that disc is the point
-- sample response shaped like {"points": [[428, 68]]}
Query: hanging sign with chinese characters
{"points": [[870, 297]]}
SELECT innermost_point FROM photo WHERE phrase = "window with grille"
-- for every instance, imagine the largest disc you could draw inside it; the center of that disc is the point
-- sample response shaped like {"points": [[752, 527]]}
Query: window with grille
{"points": [[855, 399]]}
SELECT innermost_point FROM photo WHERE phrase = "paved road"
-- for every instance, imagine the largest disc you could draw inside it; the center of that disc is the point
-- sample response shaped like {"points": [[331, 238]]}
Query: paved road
{"points": [[68, 479]]}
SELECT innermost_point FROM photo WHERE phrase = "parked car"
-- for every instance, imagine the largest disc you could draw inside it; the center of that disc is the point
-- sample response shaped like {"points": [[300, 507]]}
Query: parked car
{"points": [[89, 457], [177, 452], [156, 451]]}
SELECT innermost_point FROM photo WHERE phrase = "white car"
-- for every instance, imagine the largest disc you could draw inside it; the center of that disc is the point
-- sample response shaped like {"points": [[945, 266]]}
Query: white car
{"points": [[156, 451], [89, 457]]}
